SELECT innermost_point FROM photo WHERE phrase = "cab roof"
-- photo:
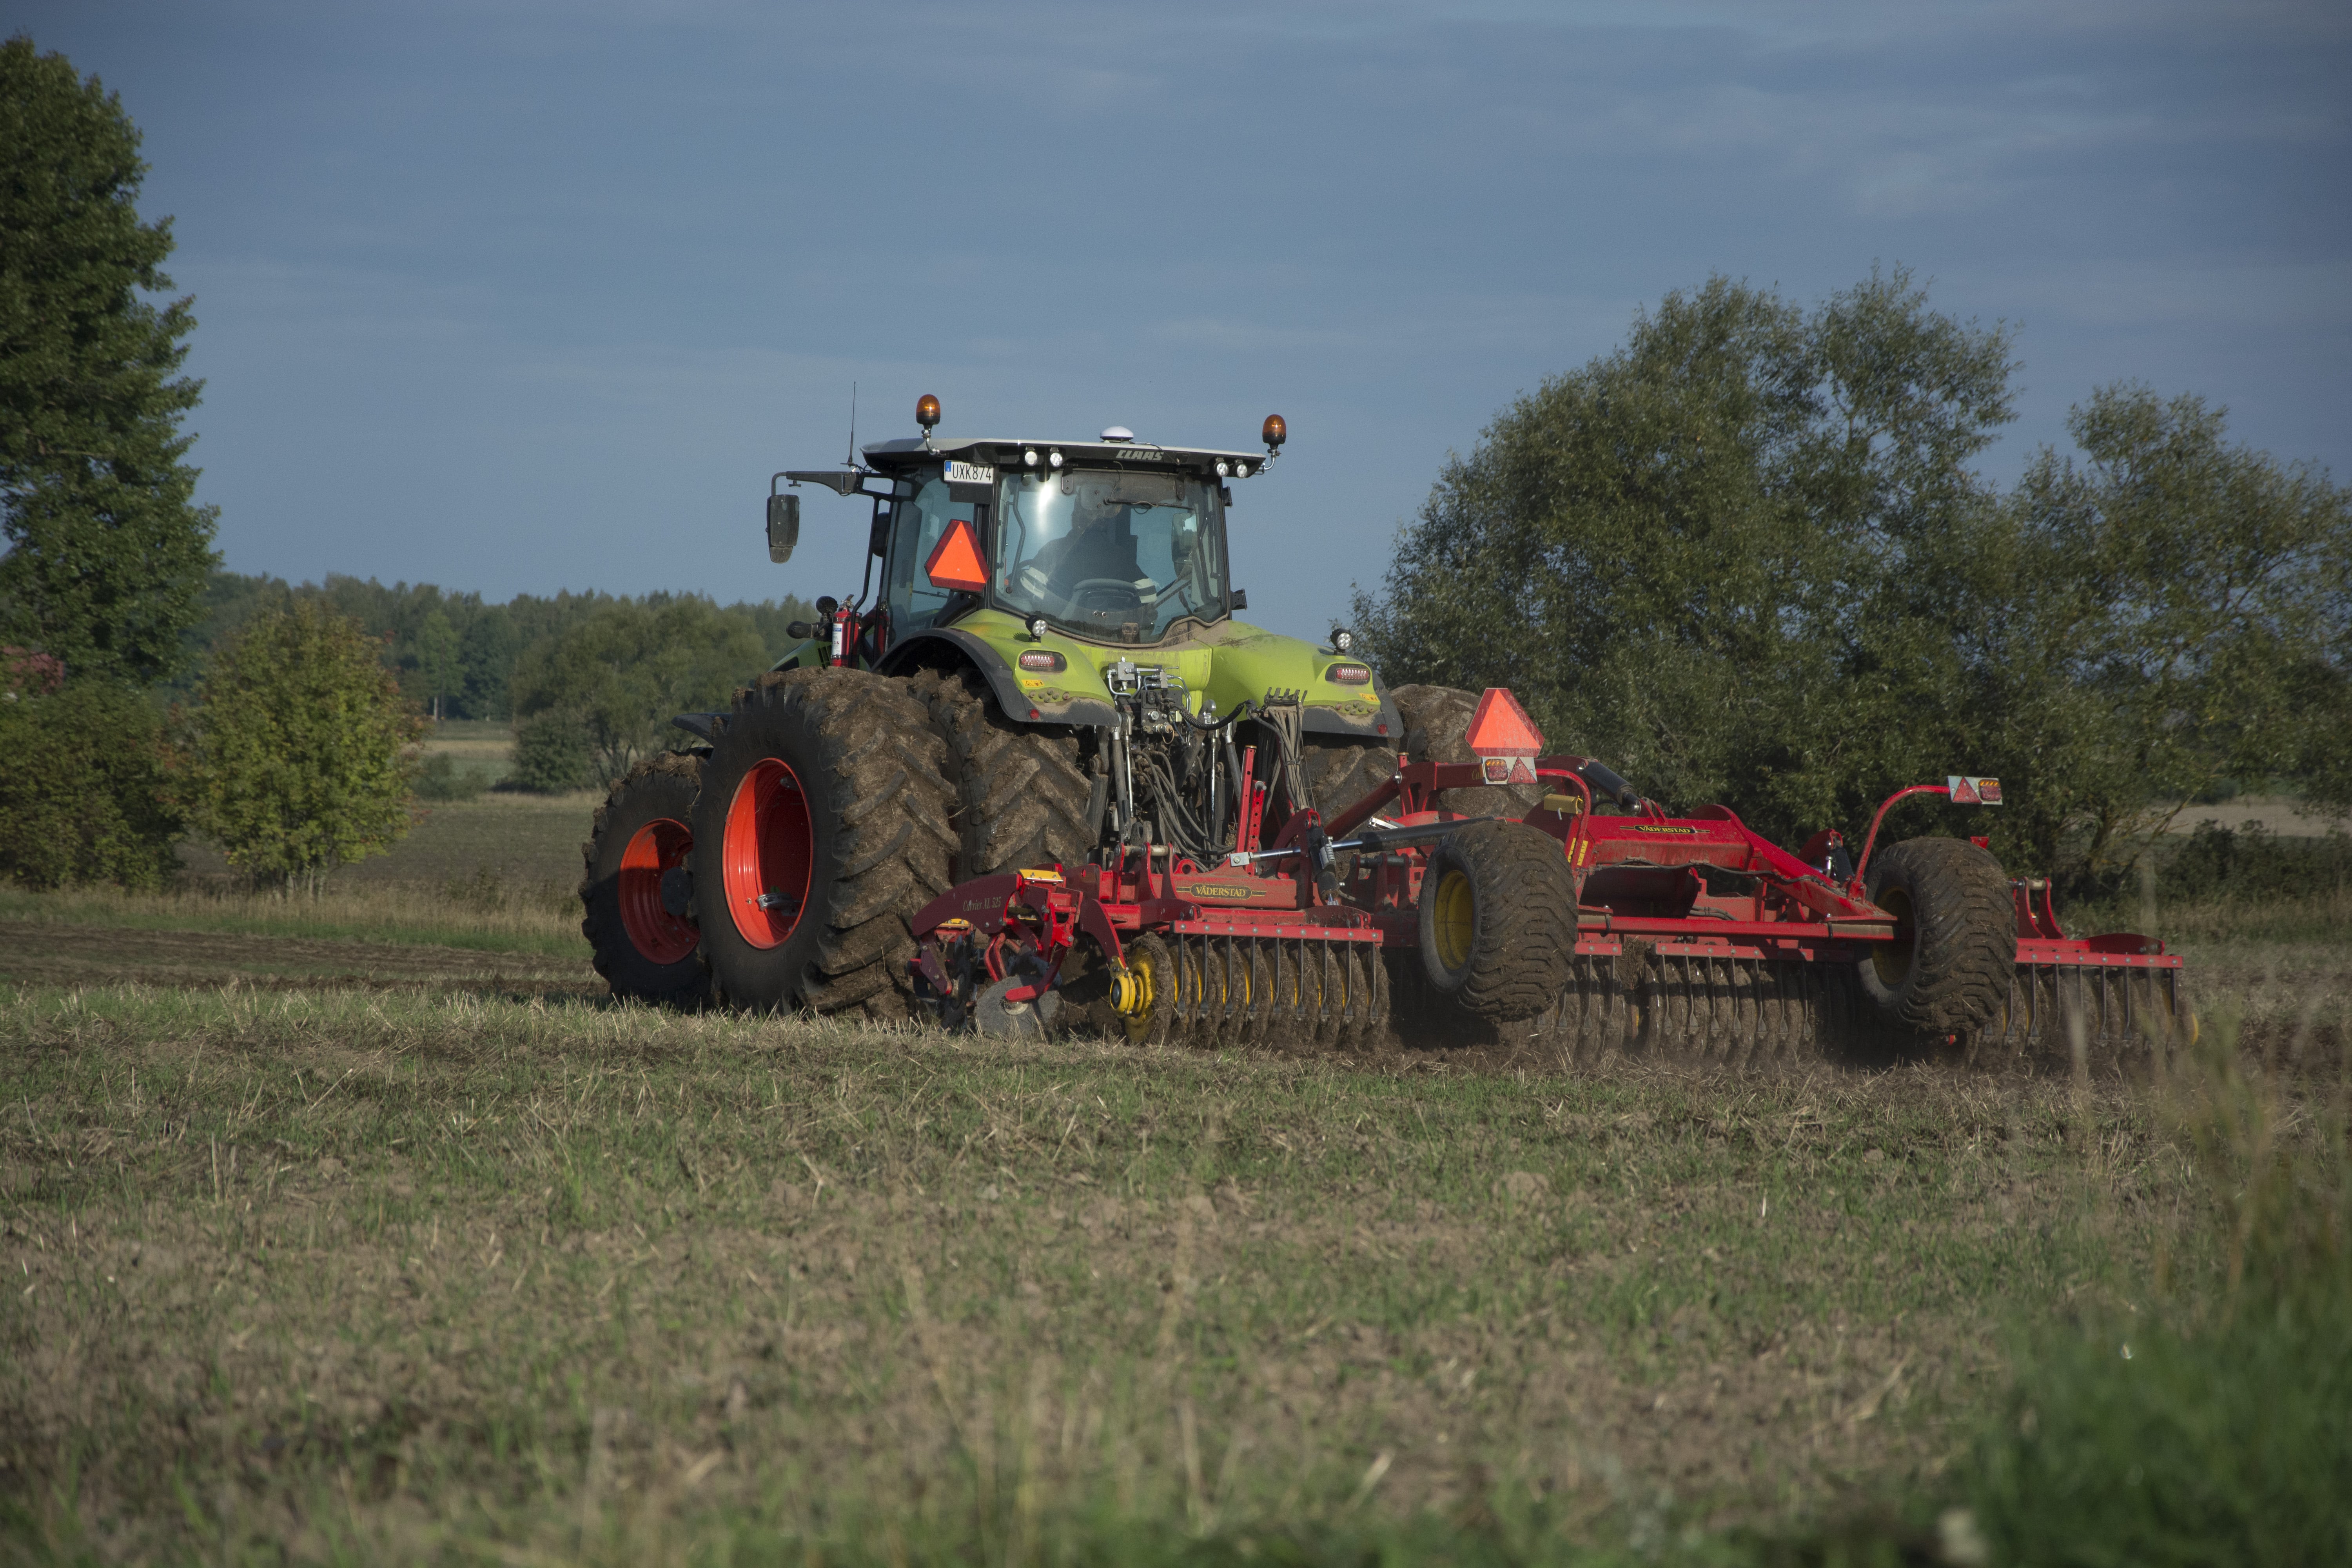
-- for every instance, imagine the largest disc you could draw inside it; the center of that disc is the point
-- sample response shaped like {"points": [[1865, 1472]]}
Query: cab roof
{"points": [[911, 452]]}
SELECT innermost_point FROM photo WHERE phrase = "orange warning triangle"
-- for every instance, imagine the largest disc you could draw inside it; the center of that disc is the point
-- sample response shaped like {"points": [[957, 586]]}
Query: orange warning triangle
{"points": [[1501, 728], [955, 560]]}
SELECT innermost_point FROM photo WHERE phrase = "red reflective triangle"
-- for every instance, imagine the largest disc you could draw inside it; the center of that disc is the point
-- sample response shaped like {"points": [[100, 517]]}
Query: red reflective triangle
{"points": [[1501, 728], [955, 562]]}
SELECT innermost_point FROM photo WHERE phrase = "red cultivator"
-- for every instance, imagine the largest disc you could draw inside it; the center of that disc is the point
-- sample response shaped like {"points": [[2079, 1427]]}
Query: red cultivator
{"points": [[1596, 921]]}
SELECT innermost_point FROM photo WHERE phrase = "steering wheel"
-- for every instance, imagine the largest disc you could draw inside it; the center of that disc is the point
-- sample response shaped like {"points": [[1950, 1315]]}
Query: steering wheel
{"points": [[1107, 586]]}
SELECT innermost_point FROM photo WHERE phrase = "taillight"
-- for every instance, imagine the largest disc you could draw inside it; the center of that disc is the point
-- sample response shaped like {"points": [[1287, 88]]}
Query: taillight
{"points": [[1043, 659], [1348, 674]]}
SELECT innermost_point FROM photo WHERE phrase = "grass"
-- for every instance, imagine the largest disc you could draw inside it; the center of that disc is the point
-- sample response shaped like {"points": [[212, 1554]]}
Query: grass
{"points": [[434, 1275], [436, 1254], [482, 914]]}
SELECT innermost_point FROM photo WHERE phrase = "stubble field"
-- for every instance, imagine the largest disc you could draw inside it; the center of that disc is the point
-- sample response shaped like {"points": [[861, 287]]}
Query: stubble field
{"points": [[402, 1244]]}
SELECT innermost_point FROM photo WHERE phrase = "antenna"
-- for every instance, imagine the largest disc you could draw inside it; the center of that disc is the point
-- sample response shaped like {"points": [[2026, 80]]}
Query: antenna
{"points": [[853, 425]]}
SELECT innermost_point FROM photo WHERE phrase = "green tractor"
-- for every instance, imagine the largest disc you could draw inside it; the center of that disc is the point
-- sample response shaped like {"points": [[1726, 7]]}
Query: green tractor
{"points": [[1050, 669]]}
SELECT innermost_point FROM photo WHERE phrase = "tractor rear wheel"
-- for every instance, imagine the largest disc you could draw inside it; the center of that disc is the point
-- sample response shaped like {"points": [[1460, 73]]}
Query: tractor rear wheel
{"points": [[822, 826], [634, 887], [1947, 972], [1436, 724], [1499, 919], [1023, 791]]}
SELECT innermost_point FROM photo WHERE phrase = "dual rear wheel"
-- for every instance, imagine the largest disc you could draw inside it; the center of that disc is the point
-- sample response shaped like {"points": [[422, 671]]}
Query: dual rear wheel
{"points": [[779, 872]]}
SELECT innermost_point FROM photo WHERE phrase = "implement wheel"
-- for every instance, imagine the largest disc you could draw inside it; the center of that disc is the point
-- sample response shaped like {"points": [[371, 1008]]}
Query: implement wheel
{"points": [[822, 826], [634, 888], [1948, 970], [1499, 919]]}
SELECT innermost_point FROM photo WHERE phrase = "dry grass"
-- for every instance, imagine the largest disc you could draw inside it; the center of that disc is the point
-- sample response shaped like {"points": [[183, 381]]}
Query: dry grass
{"points": [[451, 1258], [392, 1277]]}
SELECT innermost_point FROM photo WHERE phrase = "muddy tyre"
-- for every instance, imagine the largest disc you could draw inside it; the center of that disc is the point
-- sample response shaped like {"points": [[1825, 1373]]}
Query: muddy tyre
{"points": [[822, 826], [634, 886], [1437, 722], [1023, 792], [1948, 971], [1498, 920], [1340, 772]]}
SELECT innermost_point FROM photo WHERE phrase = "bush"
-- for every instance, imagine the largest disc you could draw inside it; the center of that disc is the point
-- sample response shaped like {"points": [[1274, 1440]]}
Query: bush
{"points": [[550, 755], [439, 777], [84, 796], [2251, 862], [301, 744]]}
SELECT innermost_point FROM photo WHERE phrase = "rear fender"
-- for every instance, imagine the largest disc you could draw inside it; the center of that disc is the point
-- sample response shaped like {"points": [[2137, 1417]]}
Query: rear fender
{"points": [[948, 647]]}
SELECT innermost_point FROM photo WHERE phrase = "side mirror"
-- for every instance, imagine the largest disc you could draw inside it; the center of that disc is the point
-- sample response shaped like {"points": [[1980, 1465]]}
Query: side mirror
{"points": [[1240, 601], [784, 526]]}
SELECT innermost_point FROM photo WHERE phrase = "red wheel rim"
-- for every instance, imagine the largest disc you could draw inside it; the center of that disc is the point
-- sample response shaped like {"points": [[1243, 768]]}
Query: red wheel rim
{"points": [[661, 936], [768, 853]]}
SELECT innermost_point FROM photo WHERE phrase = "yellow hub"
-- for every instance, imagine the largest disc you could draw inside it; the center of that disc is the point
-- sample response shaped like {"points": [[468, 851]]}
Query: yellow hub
{"points": [[1135, 992], [1457, 923]]}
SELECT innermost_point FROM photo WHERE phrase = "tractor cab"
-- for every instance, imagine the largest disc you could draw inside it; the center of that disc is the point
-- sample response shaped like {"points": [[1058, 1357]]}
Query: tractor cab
{"points": [[1115, 542]]}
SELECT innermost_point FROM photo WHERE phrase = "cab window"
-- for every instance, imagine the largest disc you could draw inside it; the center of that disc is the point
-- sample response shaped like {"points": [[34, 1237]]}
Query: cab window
{"points": [[915, 524]]}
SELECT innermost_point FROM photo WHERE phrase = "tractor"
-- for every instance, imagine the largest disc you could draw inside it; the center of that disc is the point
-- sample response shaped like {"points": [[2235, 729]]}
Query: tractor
{"points": [[1044, 777], [1052, 670]]}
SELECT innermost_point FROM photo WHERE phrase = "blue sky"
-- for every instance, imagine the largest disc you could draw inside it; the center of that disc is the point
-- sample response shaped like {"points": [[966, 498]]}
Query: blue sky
{"points": [[514, 297]]}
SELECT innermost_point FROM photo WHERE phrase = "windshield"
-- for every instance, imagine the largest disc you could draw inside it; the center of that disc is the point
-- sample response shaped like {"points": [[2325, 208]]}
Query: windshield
{"points": [[1101, 552]]}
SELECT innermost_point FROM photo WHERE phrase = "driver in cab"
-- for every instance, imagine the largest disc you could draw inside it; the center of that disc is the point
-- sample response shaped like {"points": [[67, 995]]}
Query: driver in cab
{"points": [[1099, 550]]}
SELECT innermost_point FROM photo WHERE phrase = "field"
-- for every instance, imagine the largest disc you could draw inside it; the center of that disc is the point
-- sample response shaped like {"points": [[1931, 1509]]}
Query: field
{"points": [[372, 1233]]}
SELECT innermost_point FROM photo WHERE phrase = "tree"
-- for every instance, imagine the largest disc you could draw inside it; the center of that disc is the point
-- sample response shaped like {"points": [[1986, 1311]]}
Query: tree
{"points": [[622, 671], [301, 747], [84, 796], [436, 657], [106, 555], [2178, 613], [1748, 558], [1672, 553]]}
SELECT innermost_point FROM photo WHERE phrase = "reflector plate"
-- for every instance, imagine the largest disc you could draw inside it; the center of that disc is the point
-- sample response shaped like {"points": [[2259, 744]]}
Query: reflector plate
{"points": [[1968, 791], [954, 561], [1504, 739]]}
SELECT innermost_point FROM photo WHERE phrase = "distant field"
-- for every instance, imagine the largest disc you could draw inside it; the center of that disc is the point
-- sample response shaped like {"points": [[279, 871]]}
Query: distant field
{"points": [[481, 743], [528, 841]]}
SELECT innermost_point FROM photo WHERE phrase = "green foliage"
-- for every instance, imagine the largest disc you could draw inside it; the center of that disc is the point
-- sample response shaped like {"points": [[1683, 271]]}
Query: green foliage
{"points": [[1688, 531], [300, 745], [1747, 559], [2251, 862], [436, 657], [83, 793], [106, 555], [490, 636], [623, 672], [2176, 608], [550, 754]]}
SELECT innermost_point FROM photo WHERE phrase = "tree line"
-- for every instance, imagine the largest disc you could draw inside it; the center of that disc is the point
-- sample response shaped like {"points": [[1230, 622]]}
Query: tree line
{"points": [[1751, 557], [455, 653]]}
